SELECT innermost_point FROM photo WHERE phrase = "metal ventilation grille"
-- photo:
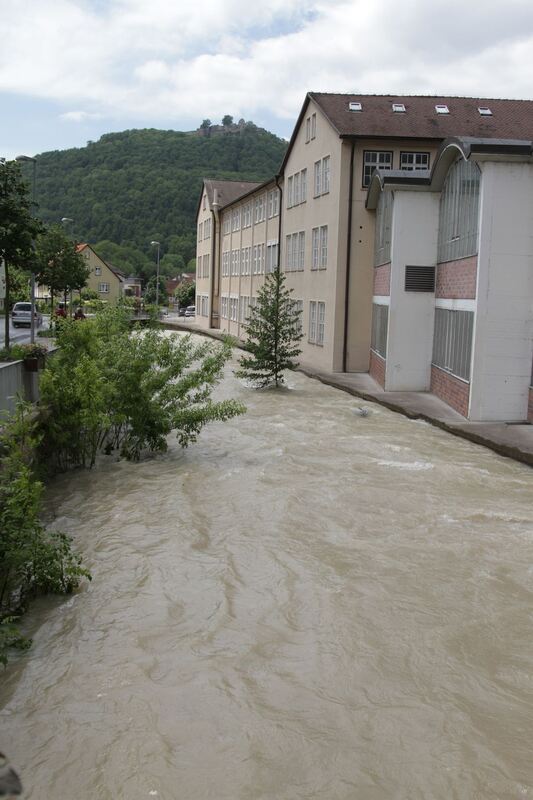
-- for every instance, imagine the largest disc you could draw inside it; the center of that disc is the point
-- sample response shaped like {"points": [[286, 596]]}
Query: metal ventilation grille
{"points": [[419, 279]]}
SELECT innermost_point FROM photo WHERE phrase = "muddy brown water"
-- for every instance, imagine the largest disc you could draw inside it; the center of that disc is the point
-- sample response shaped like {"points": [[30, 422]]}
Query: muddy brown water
{"points": [[306, 604]]}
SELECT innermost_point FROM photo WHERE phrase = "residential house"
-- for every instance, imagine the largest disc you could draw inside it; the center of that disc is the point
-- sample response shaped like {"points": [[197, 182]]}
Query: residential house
{"points": [[103, 279]]}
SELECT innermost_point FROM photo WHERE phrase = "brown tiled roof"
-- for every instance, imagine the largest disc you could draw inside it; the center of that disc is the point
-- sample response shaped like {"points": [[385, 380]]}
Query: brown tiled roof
{"points": [[510, 119], [228, 191]]}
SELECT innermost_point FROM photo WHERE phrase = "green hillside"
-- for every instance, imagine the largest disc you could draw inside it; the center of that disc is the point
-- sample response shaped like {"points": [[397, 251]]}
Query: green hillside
{"points": [[136, 186]]}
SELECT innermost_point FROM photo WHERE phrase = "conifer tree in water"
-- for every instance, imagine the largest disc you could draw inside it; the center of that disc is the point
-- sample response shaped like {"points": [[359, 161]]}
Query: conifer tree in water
{"points": [[273, 330]]}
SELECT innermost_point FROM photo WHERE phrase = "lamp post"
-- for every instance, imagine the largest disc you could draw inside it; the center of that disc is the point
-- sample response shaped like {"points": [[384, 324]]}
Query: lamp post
{"points": [[157, 277], [32, 278]]}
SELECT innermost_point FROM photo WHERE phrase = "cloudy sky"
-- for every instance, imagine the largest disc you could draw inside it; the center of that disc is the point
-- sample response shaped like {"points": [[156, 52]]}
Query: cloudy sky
{"points": [[71, 70]]}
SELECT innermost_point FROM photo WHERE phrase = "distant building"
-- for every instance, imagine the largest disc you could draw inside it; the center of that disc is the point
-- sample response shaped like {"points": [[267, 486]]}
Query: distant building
{"points": [[103, 279]]}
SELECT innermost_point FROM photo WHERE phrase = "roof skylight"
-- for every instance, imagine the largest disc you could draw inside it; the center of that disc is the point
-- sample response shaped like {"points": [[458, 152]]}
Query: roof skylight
{"points": [[442, 109], [485, 111], [355, 106], [398, 108]]}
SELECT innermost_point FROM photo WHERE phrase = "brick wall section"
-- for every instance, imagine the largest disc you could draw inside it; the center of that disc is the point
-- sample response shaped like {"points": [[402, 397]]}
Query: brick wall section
{"points": [[382, 280], [450, 389], [457, 279], [530, 407], [377, 368]]}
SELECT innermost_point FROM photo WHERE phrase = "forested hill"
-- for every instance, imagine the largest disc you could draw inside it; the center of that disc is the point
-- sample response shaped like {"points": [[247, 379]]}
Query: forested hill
{"points": [[130, 188]]}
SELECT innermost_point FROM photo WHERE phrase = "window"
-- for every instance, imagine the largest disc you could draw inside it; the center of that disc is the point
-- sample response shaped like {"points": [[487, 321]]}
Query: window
{"points": [[321, 323], [313, 126], [355, 107], [312, 321], [205, 271], [98, 270], [247, 215], [200, 231], [414, 161], [398, 108], [224, 307], [307, 129], [315, 247], [383, 230], [235, 261], [202, 304], [485, 111], [295, 252], [319, 248], [259, 209], [442, 109], [207, 228], [271, 257], [297, 188], [380, 321], [459, 211], [225, 264], [258, 262], [297, 310], [273, 203], [244, 305], [317, 322], [236, 219], [226, 223], [372, 159], [318, 179], [321, 176], [103, 288], [325, 175], [452, 341], [234, 309], [203, 202]]}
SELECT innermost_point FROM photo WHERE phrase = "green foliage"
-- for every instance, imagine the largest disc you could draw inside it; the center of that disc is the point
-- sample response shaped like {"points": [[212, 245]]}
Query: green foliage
{"points": [[227, 120], [19, 351], [108, 389], [149, 292], [33, 560], [19, 285], [59, 265], [130, 188], [18, 228], [273, 331], [185, 294], [172, 264]]}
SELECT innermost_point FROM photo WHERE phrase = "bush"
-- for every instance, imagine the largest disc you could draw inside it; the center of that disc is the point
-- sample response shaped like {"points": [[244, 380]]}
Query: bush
{"points": [[110, 389], [32, 559]]}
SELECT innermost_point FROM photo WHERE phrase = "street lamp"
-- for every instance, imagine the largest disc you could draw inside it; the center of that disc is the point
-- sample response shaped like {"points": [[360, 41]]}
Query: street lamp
{"points": [[27, 159], [157, 276]]}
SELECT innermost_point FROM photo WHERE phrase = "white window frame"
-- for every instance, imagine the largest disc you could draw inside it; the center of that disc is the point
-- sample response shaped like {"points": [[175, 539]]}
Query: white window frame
{"points": [[313, 126], [312, 322], [320, 323], [103, 288], [374, 159], [326, 173], [317, 179]]}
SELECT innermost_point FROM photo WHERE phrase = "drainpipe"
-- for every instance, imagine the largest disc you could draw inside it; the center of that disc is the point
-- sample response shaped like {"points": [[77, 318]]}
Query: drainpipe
{"points": [[215, 217], [348, 259], [279, 222]]}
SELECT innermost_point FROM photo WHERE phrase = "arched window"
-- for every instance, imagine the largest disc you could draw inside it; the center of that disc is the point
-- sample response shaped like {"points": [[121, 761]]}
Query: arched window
{"points": [[459, 212], [382, 242]]}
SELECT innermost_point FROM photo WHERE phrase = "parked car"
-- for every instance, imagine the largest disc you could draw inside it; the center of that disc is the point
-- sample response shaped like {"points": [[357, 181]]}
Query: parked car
{"points": [[190, 311], [181, 311], [21, 315]]}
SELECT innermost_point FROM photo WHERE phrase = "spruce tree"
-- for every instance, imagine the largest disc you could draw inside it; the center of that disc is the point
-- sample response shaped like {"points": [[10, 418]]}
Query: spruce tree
{"points": [[273, 330]]}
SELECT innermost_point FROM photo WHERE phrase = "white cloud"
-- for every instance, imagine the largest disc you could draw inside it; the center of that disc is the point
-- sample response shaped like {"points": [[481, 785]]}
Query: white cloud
{"points": [[79, 116], [185, 61]]}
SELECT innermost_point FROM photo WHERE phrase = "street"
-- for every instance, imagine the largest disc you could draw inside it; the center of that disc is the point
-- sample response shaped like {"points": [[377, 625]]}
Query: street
{"points": [[20, 335]]}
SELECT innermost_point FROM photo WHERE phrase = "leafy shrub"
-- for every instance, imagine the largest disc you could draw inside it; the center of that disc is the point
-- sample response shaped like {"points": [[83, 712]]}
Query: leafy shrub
{"points": [[110, 389], [33, 560]]}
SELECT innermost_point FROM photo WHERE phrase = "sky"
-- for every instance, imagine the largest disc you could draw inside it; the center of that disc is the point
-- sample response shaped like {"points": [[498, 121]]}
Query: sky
{"points": [[71, 70]]}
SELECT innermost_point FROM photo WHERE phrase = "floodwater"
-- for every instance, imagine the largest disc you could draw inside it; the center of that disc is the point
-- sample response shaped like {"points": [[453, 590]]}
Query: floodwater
{"points": [[306, 604]]}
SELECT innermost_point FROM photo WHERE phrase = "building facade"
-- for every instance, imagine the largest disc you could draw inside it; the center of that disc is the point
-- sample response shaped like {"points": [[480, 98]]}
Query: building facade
{"points": [[103, 279], [323, 230]]}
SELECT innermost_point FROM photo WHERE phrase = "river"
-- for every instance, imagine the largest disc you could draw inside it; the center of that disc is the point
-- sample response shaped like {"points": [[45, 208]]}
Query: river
{"points": [[307, 603]]}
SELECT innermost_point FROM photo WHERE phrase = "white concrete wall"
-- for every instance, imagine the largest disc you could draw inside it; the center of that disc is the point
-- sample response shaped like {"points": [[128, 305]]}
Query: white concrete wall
{"points": [[503, 332], [411, 314]]}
